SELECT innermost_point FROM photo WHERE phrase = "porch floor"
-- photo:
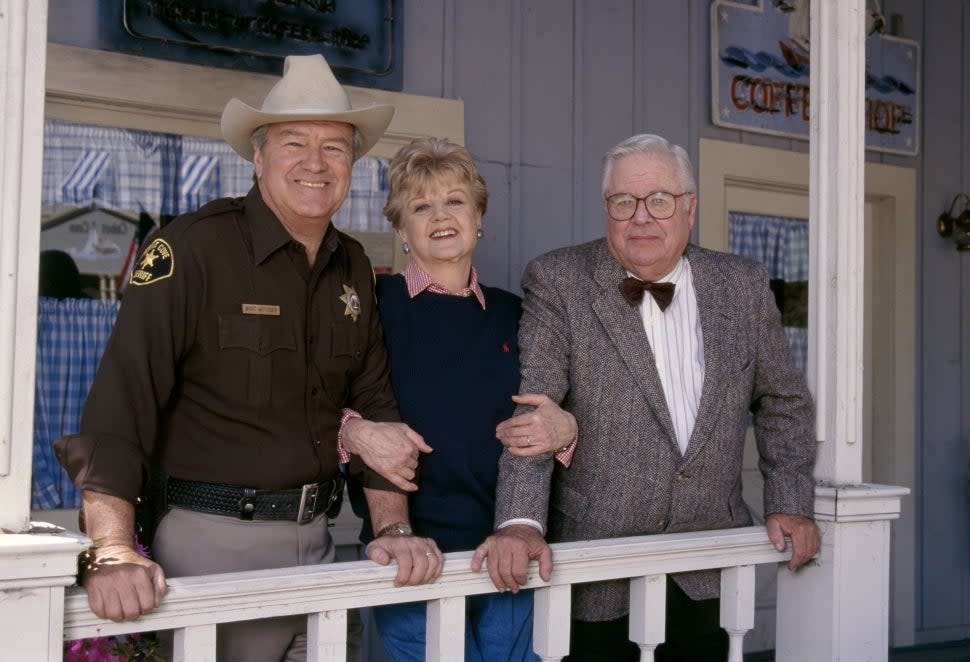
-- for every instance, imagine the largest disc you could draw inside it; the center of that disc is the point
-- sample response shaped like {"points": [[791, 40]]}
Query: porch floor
{"points": [[951, 651]]}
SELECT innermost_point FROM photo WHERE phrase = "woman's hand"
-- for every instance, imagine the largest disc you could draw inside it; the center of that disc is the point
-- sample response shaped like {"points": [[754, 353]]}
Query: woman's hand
{"points": [[546, 429]]}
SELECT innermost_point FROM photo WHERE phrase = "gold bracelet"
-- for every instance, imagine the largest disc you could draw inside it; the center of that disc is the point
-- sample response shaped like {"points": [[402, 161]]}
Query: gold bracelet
{"points": [[396, 529]]}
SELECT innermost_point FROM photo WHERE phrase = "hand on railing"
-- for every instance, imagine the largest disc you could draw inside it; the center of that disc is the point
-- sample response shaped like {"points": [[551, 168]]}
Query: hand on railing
{"points": [[805, 538], [419, 561], [509, 551], [122, 584]]}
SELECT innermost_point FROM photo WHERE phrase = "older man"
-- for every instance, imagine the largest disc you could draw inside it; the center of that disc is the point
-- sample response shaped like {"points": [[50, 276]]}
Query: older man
{"points": [[662, 387], [248, 328]]}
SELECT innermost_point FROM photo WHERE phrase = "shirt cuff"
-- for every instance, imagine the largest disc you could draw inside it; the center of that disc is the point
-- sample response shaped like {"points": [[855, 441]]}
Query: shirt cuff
{"points": [[343, 457], [565, 455], [521, 520]]}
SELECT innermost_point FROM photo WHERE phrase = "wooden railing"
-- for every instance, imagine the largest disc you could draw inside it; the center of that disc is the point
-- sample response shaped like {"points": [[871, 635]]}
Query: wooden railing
{"points": [[194, 605]]}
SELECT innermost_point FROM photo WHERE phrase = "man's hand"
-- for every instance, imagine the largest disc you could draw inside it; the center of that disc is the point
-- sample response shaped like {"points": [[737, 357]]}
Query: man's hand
{"points": [[419, 561], [390, 449], [545, 429], [804, 534], [121, 584], [509, 551]]}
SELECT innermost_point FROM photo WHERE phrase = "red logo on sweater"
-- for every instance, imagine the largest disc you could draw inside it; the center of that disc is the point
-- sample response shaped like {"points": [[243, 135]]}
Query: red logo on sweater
{"points": [[506, 348]]}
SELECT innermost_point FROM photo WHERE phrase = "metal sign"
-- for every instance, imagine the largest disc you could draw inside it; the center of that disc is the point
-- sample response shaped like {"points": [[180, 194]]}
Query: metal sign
{"points": [[360, 39], [760, 74]]}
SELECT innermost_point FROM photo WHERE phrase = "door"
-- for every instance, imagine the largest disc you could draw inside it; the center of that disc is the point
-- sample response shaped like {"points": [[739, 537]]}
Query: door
{"points": [[740, 185]]}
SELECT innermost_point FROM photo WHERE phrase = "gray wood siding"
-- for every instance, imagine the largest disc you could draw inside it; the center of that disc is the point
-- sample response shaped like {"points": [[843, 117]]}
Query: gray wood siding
{"points": [[549, 85]]}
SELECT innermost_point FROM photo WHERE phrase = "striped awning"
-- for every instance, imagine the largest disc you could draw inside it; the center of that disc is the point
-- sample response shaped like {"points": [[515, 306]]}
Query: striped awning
{"points": [[198, 181], [82, 184]]}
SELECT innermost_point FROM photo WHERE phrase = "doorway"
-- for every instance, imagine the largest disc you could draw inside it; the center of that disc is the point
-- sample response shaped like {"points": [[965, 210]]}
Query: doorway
{"points": [[737, 180]]}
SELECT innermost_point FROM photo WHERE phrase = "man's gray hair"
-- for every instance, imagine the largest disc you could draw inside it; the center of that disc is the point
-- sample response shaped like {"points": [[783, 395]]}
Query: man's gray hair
{"points": [[648, 143], [258, 139]]}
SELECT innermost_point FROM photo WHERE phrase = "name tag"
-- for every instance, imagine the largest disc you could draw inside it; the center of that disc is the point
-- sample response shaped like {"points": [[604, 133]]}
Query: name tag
{"points": [[260, 309]]}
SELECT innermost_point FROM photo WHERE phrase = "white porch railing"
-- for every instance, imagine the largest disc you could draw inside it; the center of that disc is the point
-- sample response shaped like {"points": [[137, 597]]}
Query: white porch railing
{"points": [[193, 606]]}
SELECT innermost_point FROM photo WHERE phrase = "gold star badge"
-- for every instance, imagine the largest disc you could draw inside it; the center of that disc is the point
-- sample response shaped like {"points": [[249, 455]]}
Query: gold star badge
{"points": [[157, 263], [351, 302]]}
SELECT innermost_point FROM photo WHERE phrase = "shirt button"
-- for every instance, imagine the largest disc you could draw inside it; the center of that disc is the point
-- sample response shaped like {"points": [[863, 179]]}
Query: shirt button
{"points": [[316, 442]]}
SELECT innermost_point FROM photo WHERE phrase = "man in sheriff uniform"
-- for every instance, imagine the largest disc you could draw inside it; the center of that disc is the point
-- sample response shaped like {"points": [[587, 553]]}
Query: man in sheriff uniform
{"points": [[248, 334]]}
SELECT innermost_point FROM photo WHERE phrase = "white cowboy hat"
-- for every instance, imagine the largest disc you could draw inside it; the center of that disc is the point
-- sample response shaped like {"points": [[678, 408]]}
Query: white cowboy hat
{"points": [[307, 91]]}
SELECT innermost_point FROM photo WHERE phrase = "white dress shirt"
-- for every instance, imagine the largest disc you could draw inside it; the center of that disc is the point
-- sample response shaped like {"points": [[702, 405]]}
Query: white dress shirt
{"points": [[678, 349]]}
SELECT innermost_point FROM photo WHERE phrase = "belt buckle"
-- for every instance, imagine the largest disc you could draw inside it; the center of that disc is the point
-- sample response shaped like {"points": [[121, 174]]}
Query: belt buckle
{"points": [[308, 503]]}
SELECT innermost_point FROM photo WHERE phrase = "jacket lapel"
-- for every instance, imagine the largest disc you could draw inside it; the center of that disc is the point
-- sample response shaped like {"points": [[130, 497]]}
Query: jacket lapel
{"points": [[624, 327], [719, 329]]}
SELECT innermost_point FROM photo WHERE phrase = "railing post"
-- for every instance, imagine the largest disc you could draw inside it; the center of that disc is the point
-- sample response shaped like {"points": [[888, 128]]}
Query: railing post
{"points": [[737, 606], [445, 640], [838, 608], [327, 636], [648, 613], [550, 630], [34, 570], [196, 643]]}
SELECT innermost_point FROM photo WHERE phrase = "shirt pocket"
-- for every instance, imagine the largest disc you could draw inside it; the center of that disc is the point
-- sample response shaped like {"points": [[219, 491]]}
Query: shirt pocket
{"points": [[262, 339]]}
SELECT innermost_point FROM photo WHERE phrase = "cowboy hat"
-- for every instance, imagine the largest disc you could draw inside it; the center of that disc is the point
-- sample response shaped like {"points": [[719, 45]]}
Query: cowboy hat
{"points": [[308, 90]]}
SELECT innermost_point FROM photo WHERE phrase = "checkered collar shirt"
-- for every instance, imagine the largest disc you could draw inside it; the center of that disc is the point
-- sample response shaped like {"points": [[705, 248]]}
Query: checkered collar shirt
{"points": [[418, 281]]}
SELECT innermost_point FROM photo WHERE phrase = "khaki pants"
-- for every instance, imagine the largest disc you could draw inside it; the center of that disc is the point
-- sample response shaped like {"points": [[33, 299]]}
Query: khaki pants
{"points": [[188, 543]]}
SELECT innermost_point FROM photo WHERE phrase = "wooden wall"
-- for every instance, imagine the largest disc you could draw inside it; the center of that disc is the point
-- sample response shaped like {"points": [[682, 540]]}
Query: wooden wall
{"points": [[549, 85]]}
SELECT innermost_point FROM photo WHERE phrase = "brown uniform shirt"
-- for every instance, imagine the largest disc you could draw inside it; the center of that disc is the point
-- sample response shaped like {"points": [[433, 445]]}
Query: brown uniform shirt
{"points": [[231, 358]]}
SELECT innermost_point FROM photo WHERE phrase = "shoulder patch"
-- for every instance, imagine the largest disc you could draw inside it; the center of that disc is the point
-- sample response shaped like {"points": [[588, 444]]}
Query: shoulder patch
{"points": [[157, 262]]}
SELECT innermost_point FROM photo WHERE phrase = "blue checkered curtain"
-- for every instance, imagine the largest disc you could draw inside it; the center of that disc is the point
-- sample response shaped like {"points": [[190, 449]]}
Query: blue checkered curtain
{"points": [[141, 173], [781, 244], [71, 337], [363, 209]]}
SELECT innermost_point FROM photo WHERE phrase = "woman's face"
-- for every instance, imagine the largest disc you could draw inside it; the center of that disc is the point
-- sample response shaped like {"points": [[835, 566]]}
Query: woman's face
{"points": [[440, 222]]}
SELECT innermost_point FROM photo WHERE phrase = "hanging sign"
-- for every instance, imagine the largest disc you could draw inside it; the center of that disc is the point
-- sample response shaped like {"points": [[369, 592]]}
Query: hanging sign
{"points": [[760, 74], [360, 39]]}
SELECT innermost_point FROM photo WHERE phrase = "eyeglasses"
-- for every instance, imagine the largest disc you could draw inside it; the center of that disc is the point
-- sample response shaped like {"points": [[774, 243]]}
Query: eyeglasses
{"points": [[659, 204]]}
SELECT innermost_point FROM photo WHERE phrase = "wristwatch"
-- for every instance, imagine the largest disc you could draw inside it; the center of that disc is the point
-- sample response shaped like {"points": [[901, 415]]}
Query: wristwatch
{"points": [[396, 529]]}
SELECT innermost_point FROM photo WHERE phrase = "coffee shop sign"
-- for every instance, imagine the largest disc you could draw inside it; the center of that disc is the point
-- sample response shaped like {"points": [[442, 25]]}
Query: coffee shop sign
{"points": [[760, 74]]}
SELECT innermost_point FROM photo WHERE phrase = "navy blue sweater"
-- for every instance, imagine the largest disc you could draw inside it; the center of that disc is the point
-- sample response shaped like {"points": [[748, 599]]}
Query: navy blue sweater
{"points": [[454, 369]]}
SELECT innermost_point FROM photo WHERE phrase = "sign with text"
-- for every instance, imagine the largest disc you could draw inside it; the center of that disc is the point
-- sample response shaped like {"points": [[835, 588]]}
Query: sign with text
{"points": [[760, 74], [360, 39]]}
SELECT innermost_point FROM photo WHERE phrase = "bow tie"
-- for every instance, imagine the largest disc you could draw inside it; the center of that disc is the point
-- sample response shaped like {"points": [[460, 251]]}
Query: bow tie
{"points": [[632, 290]]}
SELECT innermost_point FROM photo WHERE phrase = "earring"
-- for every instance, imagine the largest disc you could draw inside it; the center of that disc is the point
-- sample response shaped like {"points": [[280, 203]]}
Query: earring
{"points": [[405, 248], [480, 233]]}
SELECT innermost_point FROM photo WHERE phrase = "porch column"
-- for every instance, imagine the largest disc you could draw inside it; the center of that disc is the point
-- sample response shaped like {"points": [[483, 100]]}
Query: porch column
{"points": [[838, 609], [23, 54], [34, 569]]}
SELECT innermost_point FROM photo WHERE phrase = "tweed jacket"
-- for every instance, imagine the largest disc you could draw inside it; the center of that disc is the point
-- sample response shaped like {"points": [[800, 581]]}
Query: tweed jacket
{"points": [[585, 347]]}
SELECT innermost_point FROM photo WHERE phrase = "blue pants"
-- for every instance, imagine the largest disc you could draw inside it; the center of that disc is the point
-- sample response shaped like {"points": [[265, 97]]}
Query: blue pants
{"points": [[498, 628]]}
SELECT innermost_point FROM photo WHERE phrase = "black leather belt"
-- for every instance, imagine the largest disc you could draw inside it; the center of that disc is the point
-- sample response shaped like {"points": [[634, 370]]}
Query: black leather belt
{"points": [[298, 505]]}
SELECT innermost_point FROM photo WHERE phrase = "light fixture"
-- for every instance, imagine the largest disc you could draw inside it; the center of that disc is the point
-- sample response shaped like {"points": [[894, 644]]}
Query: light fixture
{"points": [[956, 227]]}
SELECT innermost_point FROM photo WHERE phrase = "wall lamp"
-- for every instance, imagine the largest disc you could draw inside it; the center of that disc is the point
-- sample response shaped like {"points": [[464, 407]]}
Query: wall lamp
{"points": [[956, 227]]}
